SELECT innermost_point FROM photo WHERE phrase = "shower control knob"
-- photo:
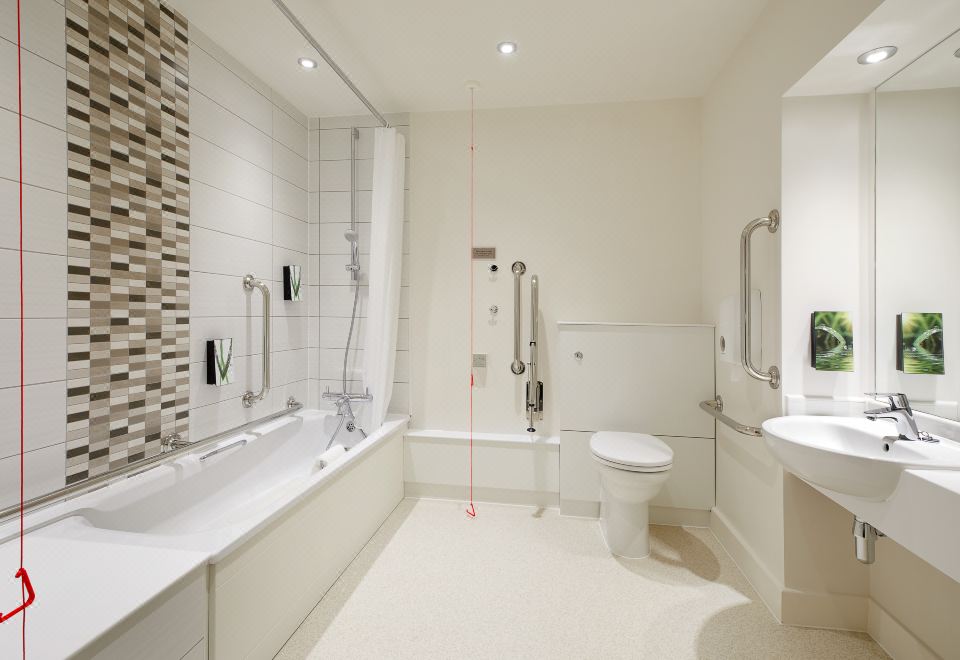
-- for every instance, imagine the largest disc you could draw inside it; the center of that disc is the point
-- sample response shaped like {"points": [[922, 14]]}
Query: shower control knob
{"points": [[578, 355]]}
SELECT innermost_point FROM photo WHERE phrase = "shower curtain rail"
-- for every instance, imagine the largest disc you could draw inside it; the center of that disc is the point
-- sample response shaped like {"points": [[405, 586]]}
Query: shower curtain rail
{"points": [[329, 60]]}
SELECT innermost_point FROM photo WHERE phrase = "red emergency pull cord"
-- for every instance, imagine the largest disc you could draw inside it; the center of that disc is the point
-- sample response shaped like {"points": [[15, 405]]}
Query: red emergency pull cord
{"points": [[22, 575]]}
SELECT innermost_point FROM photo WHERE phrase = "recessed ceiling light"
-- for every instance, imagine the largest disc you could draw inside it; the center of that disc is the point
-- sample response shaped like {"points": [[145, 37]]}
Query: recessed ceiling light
{"points": [[307, 63], [877, 55], [507, 47]]}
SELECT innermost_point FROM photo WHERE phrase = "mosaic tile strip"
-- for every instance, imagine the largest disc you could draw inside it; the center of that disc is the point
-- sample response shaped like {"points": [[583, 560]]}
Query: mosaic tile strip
{"points": [[128, 209]]}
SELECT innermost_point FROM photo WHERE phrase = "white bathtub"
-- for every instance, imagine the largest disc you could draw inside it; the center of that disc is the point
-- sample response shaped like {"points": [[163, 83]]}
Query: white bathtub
{"points": [[277, 531]]}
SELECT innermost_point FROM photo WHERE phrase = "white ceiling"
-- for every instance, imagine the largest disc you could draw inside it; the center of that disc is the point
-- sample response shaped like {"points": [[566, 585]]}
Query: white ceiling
{"points": [[416, 55], [913, 26]]}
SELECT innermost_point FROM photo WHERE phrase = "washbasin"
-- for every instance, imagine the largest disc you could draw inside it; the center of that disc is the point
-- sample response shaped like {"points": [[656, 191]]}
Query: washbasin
{"points": [[852, 455]]}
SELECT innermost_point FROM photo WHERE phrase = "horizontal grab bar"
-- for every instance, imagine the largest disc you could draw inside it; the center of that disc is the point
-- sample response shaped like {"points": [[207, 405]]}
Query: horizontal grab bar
{"points": [[715, 408], [239, 443], [81, 487]]}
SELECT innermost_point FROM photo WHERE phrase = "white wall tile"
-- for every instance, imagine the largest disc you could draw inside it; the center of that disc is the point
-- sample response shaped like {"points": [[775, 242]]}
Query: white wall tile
{"points": [[217, 209], [332, 176], [289, 366], [221, 169], [44, 285], [44, 218], [44, 472], [290, 233], [214, 123], [333, 144], [229, 90], [45, 406], [44, 153], [216, 252], [222, 295], [289, 165], [289, 132], [330, 238], [313, 145], [247, 377], [289, 199], [333, 206], [42, 30], [45, 349], [289, 333], [44, 86]]}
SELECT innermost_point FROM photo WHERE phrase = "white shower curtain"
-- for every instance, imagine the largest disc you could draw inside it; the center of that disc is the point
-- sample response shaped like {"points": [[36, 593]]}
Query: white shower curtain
{"points": [[386, 254]]}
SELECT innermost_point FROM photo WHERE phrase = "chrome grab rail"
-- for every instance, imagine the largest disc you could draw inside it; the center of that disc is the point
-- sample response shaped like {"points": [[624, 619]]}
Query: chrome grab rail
{"points": [[133, 469], [249, 284], [239, 443], [772, 223], [534, 386], [517, 366], [715, 408]]}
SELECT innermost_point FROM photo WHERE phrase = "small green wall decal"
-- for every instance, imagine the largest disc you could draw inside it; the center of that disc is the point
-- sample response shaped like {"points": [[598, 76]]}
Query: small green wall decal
{"points": [[220, 362], [831, 341], [920, 343]]}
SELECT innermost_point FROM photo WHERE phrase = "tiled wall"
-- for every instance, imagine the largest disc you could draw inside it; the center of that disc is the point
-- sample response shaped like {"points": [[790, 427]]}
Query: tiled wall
{"points": [[128, 232], [330, 290], [45, 244], [248, 215]]}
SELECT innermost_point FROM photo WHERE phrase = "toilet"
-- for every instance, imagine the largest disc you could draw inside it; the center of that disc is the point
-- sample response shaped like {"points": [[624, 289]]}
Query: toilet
{"points": [[633, 468]]}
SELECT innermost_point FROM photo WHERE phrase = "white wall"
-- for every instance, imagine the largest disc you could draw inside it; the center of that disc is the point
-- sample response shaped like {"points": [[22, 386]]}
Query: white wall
{"points": [[827, 246], [45, 248], [741, 180], [601, 201], [248, 214], [330, 288]]}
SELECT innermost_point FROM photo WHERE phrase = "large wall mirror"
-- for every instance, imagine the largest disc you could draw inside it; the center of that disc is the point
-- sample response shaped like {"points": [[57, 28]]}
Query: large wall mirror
{"points": [[918, 231]]}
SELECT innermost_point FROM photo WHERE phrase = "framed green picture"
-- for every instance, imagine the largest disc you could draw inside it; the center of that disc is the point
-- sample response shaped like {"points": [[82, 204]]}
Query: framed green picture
{"points": [[831, 341], [920, 343]]}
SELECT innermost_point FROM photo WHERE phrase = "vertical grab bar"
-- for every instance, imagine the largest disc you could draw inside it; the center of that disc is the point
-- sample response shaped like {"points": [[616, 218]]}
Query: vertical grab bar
{"points": [[772, 223], [249, 284], [517, 366], [534, 386]]}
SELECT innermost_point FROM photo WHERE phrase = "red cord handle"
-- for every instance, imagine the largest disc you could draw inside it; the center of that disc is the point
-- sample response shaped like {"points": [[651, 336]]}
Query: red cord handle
{"points": [[22, 574]]}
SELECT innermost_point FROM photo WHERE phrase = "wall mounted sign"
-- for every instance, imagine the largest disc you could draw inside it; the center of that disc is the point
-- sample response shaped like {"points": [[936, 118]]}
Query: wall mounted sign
{"points": [[292, 283], [831, 341], [220, 362], [920, 343]]}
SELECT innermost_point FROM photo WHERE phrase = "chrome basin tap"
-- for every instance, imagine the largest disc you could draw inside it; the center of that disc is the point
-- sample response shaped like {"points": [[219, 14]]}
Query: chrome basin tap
{"points": [[900, 412]]}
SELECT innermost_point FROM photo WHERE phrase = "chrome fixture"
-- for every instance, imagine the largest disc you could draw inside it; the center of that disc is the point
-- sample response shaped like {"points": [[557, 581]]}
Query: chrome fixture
{"points": [[772, 223], [172, 442], [239, 443], [329, 60], [144, 464], [249, 284], [877, 55], [518, 268], [715, 408], [534, 386], [865, 541], [345, 412], [899, 411]]}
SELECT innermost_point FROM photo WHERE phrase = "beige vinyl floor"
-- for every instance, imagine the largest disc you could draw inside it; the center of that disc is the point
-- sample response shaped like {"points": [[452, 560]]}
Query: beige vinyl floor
{"points": [[518, 582]]}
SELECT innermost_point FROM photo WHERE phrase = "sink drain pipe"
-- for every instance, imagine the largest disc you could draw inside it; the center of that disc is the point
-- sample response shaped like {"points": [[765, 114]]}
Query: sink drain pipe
{"points": [[865, 540]]}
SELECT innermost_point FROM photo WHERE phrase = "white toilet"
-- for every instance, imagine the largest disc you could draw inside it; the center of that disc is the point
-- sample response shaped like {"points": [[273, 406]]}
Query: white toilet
{"points": [[633, 468]]}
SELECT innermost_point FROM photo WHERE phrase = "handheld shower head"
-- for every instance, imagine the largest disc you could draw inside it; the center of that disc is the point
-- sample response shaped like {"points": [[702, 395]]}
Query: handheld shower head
{"points": [[350, 235]]}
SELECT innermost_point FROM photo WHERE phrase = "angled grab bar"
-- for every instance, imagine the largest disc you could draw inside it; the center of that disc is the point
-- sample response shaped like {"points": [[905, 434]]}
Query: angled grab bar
{"points": [[517, 366], [715, 408], [772, 223], [249, 284]]}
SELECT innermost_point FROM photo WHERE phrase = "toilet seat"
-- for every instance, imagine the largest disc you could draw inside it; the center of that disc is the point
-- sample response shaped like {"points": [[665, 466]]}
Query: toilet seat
{"points": [[633, 452]]}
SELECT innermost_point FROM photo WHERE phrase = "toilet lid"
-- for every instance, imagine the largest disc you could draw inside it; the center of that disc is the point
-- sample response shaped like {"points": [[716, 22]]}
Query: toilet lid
{"points": [[632, 449]]}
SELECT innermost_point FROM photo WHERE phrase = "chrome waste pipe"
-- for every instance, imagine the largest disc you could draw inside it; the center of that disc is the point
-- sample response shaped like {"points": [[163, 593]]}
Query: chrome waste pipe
{"points": [[865, 541]]}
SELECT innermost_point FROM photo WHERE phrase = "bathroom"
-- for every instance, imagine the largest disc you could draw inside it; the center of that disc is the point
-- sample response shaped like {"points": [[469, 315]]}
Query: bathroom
{"points": [[355, 329]]}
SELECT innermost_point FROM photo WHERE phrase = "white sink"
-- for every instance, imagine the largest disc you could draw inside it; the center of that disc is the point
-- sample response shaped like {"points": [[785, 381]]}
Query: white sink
{"points": [[852, 455]]}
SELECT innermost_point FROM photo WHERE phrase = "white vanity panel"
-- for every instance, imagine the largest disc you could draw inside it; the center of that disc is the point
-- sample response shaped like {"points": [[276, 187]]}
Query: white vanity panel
{"points": [[640, 378]]}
